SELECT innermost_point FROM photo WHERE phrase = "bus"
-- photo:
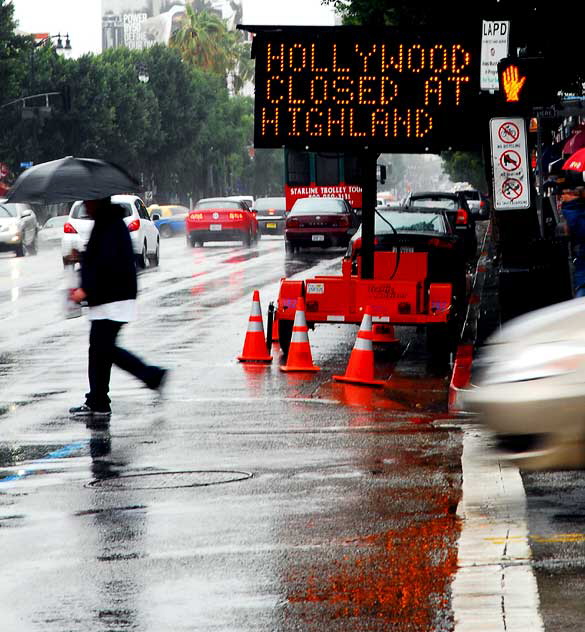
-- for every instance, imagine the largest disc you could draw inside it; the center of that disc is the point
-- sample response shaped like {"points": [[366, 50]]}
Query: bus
{"points": [[322, 174]]}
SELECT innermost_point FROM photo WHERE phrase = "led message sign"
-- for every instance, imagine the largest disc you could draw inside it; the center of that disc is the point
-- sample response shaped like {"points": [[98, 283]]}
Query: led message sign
{"points": [[325, 88]]}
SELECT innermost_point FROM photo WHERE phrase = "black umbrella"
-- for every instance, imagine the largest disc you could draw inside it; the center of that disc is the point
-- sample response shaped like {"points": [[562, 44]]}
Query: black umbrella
{"points": [[70, 179]]}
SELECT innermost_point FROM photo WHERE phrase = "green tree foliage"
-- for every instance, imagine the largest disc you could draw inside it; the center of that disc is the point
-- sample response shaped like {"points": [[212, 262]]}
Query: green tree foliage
{"points": [[465, 166]]}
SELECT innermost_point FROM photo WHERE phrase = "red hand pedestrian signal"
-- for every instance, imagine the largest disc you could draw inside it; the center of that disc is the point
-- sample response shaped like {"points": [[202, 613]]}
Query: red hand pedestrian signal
{"points": [[513, 83]]}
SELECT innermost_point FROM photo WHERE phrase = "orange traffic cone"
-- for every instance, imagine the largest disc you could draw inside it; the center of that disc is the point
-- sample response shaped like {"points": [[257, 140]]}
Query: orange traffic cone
{"points": [[360, 368], [299, 352], [255, 343]]}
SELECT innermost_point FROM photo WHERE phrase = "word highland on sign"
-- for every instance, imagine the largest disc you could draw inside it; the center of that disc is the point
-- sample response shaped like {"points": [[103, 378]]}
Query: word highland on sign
{"points": [[340, 87]]}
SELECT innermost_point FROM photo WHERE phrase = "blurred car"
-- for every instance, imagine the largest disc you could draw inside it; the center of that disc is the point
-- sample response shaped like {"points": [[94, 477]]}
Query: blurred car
{"points": [[143, 232], [169, 219], [271, 215], [477, 203], [529, 388], [18, 228], [320, 221], [248, 199], [51, 232], [458, 212], [221, 219], [420, 230]]}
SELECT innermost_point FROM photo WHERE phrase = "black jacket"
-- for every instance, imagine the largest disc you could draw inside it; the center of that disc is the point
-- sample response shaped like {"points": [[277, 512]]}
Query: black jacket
{"points": [[108, 268]]}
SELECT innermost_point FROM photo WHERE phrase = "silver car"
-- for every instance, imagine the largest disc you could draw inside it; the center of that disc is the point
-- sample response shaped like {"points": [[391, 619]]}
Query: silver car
{"points": [[18, 228], [530, 387]]}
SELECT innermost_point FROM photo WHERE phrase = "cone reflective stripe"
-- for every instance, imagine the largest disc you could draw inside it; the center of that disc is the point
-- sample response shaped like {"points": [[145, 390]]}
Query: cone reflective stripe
{"points": [[360, 368], [255, 343], [299, 352]]}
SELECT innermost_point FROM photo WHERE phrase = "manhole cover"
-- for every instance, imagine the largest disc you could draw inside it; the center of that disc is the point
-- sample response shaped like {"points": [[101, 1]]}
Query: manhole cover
{"points": [[171, 480]]}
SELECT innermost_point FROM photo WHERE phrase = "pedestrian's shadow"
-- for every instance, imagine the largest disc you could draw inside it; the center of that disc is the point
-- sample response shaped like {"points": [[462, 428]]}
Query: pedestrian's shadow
{"points": [[100, 448]]}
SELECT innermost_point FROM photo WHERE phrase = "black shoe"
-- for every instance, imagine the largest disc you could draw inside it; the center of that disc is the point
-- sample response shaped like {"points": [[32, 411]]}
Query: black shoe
{"points": [[85, 411]]}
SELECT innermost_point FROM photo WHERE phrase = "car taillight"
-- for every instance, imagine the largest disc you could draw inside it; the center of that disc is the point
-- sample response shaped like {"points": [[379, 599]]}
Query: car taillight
{"points": [[68, 228], [440, 243], [194, 216], [482, 204], [461, 217], [236, 215], [134, 225], [292, 223], [270, 211], [343, 221]]}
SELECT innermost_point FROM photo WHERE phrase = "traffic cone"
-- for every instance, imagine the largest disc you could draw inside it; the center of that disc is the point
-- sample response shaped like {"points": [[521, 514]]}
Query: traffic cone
{"points": [[299, 352], [360, 368], [255, 343]]}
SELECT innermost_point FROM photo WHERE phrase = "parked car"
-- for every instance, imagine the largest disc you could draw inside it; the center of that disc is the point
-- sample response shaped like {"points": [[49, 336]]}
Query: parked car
{"points": [[221, 219], [18, 228], [169, 218], [320, 221], [51, 233], [271, 215], [143, 232], [420, 230], [458, 212], [529, 388]]}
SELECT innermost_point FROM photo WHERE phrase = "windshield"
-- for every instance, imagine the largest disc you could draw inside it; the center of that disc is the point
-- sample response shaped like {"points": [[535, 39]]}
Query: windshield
{"points": [[218, 204], [413, 222], [7, 210], [435, 202], [79, 210], [471, 195], [56, 222], [276, 203], [318, 205]]}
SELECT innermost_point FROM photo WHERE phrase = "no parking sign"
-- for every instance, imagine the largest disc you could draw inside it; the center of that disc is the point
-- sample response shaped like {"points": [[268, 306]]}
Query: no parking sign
{"points": [[509, 163]]}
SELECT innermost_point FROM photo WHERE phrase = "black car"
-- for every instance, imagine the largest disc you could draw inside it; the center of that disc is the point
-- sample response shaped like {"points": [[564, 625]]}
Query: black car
{"points": [[271, 214], [457, 209]]}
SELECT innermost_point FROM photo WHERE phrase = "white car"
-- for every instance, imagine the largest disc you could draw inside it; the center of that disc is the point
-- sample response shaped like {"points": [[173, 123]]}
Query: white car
{"points": [[530, 388], [143, 232], [51, 234], [18, 228]]}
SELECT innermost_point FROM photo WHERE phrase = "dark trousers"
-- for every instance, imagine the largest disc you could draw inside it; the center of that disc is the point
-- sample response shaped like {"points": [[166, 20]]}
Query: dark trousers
{"points": [[103, 352]]}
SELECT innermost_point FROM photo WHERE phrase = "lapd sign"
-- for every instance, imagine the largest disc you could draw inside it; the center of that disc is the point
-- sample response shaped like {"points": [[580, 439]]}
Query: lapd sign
{"points": [[348, 88]]}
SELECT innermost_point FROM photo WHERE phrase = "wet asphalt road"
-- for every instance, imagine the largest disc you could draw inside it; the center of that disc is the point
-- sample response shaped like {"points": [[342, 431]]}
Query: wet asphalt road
{"points": [[245, 499]]}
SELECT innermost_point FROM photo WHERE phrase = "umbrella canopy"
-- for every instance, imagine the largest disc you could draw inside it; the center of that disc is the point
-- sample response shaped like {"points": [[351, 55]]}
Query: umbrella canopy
{"points": [[576, 142], [69, 179], [576, 162]]}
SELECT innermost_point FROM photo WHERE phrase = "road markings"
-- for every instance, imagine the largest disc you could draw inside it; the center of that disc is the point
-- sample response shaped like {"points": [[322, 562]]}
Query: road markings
{"points": [[494, 588]]}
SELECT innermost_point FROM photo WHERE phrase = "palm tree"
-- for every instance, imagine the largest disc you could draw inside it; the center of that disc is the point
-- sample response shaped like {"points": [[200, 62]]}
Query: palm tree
{"points": [[203, 40]]}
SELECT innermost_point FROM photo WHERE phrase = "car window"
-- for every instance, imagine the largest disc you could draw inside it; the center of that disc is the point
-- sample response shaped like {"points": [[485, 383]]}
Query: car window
{"points": [[79, 210], [276, 203], [218, 204], [435, 202], [178, 210], [56, 222], [318, 205], [7, 211], [415, 222], [142, 212]]}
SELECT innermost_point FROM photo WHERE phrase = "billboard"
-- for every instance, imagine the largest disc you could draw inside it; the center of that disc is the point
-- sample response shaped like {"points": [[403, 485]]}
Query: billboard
{"points": [[139, 24], [343, 87]]}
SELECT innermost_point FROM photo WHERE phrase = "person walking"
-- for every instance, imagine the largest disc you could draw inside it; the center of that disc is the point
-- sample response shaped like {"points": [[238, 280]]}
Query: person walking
{"points": [[108, 285], [573, 209]]}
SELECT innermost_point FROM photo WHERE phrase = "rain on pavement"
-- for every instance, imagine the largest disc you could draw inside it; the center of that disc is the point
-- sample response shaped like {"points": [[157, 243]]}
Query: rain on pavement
{"points": [[244, 499]]}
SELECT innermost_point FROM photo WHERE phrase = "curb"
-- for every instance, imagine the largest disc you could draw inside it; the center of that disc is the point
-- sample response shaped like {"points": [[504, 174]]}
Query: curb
{"points": [[463, 363]]}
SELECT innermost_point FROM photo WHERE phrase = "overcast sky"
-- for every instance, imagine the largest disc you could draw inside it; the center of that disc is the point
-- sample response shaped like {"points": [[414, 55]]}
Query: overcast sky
{"points": [[82, 18]]}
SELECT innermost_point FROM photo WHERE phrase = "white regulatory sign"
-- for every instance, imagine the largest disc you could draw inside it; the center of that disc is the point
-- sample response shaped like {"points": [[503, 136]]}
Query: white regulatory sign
{"points": [[510, 163], [494, 46]]}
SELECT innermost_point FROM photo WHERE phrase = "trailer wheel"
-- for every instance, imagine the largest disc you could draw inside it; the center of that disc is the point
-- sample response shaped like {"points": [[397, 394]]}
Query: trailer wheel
{"points": [[285, 328]]}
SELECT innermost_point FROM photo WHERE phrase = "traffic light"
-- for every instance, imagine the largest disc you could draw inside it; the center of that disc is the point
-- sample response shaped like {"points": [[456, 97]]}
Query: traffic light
{"points": [[526, 82], [66, 95]]}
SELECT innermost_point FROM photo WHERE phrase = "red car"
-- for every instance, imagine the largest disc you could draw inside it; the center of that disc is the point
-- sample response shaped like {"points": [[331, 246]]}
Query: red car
{"points": [[320, 221], [220, 219]]}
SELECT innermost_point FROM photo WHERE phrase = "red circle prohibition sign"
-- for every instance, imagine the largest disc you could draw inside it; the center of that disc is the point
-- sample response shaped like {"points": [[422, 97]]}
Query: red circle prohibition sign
{"points": [[510, 160], [512, 188], [509, 132]]}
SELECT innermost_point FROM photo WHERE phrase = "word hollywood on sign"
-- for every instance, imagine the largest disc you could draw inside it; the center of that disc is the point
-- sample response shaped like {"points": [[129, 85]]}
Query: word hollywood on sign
{"points": [[338, 87]]}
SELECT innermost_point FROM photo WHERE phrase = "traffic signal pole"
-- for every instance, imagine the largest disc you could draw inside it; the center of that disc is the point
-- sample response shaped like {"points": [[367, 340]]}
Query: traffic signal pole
{"points": [[369, 159]]}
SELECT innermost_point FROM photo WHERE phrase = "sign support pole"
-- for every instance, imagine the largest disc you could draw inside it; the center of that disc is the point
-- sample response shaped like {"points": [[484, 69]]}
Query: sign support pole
{"points": [[369, 158], [540, 193]]}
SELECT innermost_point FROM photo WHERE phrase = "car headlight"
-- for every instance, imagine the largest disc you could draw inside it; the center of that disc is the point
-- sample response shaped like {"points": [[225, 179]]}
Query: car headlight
{"points": [[534, 363], [13, 229]]}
